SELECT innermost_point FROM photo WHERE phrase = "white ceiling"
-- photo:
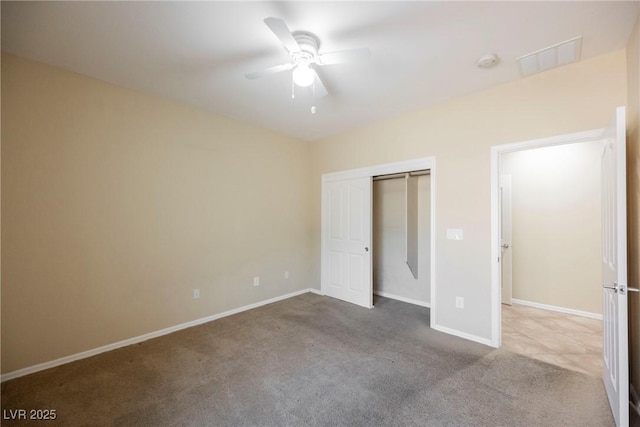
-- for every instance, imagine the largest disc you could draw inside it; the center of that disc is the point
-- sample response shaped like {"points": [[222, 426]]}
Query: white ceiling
{"points": [[423, 53]]}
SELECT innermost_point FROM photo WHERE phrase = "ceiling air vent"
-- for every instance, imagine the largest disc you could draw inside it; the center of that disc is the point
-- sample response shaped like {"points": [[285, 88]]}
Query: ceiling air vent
{"points": [[551, 57]]}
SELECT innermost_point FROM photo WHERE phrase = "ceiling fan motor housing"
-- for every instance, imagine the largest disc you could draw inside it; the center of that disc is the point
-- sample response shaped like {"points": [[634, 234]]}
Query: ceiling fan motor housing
{"points": [[309, 45]]}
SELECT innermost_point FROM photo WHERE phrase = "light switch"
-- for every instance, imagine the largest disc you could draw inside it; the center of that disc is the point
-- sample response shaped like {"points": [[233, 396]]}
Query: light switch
{"points": [[454, 234]]}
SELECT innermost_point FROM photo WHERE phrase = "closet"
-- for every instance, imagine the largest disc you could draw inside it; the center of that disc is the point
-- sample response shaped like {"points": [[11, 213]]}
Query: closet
{"points": [[401, 237]]}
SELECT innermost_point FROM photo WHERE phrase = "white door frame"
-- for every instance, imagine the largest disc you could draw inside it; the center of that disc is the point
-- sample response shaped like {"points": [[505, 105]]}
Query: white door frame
{"points": [[385, 169], [496, 151]]}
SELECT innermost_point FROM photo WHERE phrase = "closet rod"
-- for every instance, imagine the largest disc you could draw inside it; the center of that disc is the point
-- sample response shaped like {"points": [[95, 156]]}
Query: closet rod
{"points": [[401, 175]]}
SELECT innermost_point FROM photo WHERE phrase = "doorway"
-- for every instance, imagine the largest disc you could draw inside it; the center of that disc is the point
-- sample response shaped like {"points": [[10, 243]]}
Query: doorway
{"points": [[551, 251], [550, 220], [497, 152]]}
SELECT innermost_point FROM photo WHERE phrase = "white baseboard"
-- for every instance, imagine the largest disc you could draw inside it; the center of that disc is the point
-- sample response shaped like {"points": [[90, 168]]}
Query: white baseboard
{"points": [[315, 291], [403, 299], [464, 335], [558, 309], [83, 355]]}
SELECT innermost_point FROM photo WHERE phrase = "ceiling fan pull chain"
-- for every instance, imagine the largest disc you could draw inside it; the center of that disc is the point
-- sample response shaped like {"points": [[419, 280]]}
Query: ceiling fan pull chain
{"points": [[293, 88]]}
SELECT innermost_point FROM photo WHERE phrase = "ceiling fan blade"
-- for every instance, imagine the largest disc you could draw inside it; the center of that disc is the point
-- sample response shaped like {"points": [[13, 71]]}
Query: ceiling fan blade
{"points": [[344, 56], [270, 70], [318, 87], [280, 29]]}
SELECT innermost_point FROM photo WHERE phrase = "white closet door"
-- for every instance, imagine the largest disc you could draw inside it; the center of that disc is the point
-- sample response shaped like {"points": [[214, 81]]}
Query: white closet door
{"points": [[346, 234]]}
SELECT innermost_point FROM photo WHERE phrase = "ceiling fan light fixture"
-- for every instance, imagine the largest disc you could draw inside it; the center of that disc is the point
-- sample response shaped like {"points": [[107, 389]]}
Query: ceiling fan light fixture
{"points": [[303, 75]]}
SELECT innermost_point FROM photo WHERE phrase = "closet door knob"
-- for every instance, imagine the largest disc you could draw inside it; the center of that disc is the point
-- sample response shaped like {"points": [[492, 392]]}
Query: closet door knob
{"points": [[366, 249]]}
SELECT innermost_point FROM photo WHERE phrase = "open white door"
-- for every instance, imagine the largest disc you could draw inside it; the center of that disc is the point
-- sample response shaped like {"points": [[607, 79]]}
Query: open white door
{"points": [[346, 234], [505, 238], [614, 268]]}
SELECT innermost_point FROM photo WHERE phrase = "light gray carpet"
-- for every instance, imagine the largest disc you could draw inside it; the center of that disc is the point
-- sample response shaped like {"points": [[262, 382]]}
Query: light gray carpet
{"points": [[313, 360]]}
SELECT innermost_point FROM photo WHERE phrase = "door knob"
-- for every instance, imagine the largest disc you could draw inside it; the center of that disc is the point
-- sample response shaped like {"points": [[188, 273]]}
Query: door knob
{"points": [[613, 287], [620, 288], [366, 249], [505, 246]]}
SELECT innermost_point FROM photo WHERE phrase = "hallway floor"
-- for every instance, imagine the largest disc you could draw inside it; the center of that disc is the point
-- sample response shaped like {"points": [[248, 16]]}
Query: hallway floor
{"points": [[565, 340]]}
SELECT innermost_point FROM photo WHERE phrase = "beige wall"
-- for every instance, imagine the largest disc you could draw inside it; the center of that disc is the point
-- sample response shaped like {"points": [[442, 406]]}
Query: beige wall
{"points": [[459, 134], [633, 191], [391, 274], [116, 204], [556, 244]]}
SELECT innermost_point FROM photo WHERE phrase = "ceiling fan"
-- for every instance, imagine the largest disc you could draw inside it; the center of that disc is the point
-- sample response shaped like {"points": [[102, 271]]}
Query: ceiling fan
{"points": [[303, 47]]}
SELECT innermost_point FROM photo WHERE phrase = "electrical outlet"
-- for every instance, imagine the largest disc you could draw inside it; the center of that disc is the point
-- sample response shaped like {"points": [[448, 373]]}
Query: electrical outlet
{"points": [[286, 274], [196, 293], [256, 281], [459, 302]]}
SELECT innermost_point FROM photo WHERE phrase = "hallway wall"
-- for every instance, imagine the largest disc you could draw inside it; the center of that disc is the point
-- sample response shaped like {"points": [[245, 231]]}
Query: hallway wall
{"points": [[556, 242]]}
